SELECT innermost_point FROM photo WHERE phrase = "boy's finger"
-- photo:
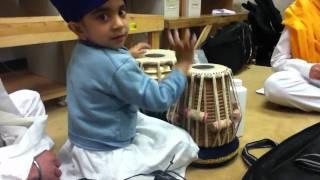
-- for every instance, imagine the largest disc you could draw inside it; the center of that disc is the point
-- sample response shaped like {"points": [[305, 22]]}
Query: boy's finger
{"points": [[186, 38], [170, 38], [142, 51], [144, 45], [193, 40], [177, 39]]}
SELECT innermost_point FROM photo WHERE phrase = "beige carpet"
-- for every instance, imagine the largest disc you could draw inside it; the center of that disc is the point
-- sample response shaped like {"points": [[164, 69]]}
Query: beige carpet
{"points": [[262, 120]]}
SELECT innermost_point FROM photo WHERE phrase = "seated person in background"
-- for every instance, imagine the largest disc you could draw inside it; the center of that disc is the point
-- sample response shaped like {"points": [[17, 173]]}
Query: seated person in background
{"points": [[296, 58], [108, 138], [25, 152]]}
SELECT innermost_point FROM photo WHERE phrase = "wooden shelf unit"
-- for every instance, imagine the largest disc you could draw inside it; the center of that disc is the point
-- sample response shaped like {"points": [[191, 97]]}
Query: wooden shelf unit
{"points": [[22, 31], [187, 22]]}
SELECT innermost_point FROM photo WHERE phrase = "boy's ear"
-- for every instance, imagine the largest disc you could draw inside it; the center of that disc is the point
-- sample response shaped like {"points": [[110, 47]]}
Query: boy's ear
{"points": [[77, 29]]}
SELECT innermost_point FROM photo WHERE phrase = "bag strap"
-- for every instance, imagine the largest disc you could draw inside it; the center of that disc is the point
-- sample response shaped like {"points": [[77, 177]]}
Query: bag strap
{"points": [[248, 158], [309, 162]]}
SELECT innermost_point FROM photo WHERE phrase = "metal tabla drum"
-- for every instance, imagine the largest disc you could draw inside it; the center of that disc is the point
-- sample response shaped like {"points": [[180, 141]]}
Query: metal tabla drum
{"points": [[157, 62], [206, 111]]}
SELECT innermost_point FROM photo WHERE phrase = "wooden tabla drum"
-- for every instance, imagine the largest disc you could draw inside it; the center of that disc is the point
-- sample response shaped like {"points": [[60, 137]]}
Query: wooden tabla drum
{"points": [[157, 62], [206, 111]]}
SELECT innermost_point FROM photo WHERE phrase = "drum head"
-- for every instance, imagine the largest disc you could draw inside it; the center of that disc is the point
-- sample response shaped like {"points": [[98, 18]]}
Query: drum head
{"points": [[208, 70], [155, 56]]}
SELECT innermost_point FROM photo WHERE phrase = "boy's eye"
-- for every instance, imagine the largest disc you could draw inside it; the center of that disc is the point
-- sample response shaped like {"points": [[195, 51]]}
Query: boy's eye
{"points": [[123, 13], [103, 17]]}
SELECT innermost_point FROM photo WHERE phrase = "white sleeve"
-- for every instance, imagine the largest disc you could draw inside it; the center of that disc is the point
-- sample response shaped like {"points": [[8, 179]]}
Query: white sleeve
{"points": [[282, 59]]}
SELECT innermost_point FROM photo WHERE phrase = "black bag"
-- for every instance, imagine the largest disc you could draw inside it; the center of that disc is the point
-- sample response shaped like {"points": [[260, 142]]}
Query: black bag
{"points": [[230, 46], [266, 23], [296, 158]]}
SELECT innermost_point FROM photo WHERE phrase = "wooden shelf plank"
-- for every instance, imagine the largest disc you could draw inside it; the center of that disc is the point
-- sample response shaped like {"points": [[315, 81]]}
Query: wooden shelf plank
{"points": [[187, 22], [48, 89], [19, 31]]}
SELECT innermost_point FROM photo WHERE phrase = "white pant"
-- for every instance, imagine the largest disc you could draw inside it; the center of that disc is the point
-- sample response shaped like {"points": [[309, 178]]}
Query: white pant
{"points": [[152, 149], [289, 88], [16, 158]]}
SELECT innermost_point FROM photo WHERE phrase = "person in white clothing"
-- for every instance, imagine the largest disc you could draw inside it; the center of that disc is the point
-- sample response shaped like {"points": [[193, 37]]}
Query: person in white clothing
{"points": [[24, 145], [296, 59]]}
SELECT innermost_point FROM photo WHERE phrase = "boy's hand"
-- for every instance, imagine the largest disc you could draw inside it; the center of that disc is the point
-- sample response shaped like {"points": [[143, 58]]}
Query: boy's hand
{"points": [[184, 48], [49, 165], [139, 49], [315, 72]]}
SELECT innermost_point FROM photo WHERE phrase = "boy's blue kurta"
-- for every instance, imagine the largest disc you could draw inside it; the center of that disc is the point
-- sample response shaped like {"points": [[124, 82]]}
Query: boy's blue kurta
{"points": [[105, 90]]}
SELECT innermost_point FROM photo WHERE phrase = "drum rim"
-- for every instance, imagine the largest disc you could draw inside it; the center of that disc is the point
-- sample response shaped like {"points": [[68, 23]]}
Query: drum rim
{"points": [[221, 70], [169, 57]]}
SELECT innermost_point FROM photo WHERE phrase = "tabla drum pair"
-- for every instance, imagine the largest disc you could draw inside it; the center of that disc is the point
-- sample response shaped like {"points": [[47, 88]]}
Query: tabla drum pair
{"points": [[209, 110]]}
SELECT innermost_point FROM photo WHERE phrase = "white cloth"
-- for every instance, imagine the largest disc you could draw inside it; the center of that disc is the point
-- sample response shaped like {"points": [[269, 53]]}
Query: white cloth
{"points": [[28, 103], [6, 103], [291, 85], [25, 103], [24, 143], [155, 144]]}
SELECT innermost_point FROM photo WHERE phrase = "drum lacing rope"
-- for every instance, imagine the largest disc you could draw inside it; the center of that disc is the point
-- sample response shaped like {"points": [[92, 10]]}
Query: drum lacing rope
{"points": [[237, 101], [158, 71], [171, 116], [224, 93], [199, 106], [214, 82], [190, 101], [205, 110], [141, 66]]}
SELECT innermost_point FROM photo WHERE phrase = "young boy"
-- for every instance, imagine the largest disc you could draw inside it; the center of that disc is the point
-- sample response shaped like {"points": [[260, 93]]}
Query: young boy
{"points": [[108, 137]]}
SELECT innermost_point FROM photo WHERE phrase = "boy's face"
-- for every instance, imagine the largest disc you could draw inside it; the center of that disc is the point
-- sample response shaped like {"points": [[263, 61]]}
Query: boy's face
{"points": [[106, 26]]}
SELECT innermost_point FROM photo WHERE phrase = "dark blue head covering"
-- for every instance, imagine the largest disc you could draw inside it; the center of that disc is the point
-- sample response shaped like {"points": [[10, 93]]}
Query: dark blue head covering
{"points": [[74, 10]]}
